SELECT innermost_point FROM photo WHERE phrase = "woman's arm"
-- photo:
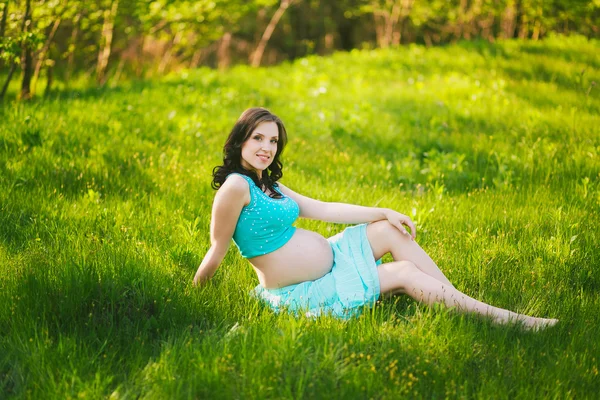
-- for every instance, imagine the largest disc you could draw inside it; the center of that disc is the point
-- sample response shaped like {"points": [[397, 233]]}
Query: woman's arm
{"points": [[347, 213], [227, 206]]}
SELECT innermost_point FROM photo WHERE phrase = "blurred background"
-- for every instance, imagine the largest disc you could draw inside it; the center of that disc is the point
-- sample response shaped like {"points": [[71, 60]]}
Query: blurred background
{"points": [[52, 44]]}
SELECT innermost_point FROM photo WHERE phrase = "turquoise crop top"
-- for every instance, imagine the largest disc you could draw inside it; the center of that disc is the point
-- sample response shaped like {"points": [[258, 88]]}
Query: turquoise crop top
{"points": [[265, 224]]}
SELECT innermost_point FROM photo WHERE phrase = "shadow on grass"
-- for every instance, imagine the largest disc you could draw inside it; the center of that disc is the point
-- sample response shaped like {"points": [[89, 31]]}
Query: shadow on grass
{"points": [[105, 302], [204, 78], [540, 69], [434, 155], [566, 54]]}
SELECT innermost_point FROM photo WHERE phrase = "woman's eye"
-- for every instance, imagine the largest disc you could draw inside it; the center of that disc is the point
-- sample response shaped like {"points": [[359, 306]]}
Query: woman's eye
{"points": [[273, 141], [257, 137]]}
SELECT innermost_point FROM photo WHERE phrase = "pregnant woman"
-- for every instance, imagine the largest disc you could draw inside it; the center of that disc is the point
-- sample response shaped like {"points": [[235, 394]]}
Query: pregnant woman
{"points": [[301, 271]]}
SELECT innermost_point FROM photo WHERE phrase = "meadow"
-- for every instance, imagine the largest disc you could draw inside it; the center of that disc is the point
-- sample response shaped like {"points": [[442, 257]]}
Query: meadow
{"points": [[492, 149]]}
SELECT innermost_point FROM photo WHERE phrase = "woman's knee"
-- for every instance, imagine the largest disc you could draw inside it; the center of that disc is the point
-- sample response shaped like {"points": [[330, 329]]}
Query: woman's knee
{"points": [[406, 268], [382, 226], [397, 275], [384, 230], [382, 235]]}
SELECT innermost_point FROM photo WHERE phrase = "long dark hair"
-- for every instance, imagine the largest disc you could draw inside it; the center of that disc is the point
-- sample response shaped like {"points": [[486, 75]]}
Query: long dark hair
{"points": [[232, 151]]}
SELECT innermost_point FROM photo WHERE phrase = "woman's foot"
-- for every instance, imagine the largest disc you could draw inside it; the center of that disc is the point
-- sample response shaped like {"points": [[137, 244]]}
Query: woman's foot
{"points": [[537, 324], [529, 323]]}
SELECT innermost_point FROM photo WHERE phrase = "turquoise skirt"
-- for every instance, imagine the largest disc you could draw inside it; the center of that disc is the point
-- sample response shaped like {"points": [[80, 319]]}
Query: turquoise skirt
{"points": [[351, 284]]}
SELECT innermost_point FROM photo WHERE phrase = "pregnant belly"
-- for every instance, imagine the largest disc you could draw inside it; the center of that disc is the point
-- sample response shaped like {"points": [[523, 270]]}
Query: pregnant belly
{"points": [[305, 257]]}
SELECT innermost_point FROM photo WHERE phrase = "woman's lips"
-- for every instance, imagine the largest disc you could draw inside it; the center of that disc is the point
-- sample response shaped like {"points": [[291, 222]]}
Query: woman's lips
{"points": [[263, 158]]}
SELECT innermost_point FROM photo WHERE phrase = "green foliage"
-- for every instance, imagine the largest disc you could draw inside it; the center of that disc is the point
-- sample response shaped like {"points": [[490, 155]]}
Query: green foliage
{"points": [[12, 47], [10, 50], [154, 37], [492, 149]]}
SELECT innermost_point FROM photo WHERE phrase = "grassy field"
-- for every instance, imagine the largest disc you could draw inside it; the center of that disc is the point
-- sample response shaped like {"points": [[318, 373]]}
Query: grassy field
{"points": [[493, 149]]}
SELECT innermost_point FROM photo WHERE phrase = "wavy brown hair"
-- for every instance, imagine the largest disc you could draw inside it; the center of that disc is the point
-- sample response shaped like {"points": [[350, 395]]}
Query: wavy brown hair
{"points": [[232, 151]]}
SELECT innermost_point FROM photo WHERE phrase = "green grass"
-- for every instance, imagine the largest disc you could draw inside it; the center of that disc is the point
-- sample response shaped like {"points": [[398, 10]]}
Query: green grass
{"points": [[493, 149]]}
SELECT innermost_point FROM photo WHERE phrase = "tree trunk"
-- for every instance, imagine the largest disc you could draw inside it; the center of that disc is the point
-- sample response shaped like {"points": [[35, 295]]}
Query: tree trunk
{"points": [[379, 19], [3, 27], [486, 26], [329, 42], [524, 27], [27, 56], [42, 55], [405, 10], [13, 66], [107, 35], [195, 58], [11, 71], [3, 20], [459, 28], [223, 55], [202, 53], [469, 29], [169, 53], [50, 79], [72, 47], [536, 30], [508, 20], [391, 22], [260, 49], [345, 32], [475, 18]]}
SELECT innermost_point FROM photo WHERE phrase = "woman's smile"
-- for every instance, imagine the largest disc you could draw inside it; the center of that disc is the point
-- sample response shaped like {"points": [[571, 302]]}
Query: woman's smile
{"points": [[264, 157]]}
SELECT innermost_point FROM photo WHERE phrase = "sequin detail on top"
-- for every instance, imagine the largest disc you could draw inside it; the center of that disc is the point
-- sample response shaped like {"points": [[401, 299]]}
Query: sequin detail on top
{"points": [[265, 224]]}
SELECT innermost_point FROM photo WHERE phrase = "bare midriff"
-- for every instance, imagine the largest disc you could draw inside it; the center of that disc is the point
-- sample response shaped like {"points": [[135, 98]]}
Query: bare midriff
{"points": [[305, 257]]}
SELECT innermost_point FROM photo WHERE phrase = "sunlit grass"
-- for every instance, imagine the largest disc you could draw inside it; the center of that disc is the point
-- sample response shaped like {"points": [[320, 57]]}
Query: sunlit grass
{"points": [[492, 149]]}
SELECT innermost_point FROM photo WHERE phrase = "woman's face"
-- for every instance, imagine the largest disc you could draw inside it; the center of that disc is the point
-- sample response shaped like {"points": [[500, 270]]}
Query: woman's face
{"points": [[260, 148]]}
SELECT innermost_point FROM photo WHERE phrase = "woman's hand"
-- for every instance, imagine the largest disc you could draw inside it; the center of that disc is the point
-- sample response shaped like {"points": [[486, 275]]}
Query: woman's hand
{"points": [[400, 221]]}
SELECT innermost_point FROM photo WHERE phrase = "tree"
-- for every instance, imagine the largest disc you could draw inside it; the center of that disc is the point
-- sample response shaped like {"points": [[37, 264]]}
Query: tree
{"points": [[27, 57], [106, 41], [260, 49]]}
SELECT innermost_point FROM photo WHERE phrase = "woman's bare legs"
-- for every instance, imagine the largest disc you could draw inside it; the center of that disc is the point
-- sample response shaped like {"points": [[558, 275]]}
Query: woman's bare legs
{"points": [[426, 283], [405, 277], [386, 238]]}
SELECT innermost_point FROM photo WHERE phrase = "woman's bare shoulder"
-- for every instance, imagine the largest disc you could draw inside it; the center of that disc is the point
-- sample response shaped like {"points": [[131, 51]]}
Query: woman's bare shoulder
{"points": [[235, 186], [235, 182]]}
